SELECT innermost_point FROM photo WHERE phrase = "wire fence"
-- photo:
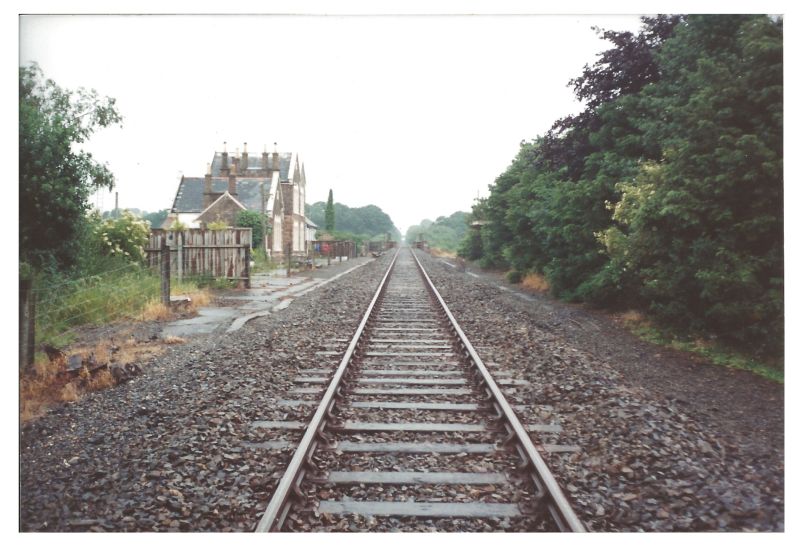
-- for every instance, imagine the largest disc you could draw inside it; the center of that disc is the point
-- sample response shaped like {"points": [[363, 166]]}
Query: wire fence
{"points": [[105, 297], [52, 312]]}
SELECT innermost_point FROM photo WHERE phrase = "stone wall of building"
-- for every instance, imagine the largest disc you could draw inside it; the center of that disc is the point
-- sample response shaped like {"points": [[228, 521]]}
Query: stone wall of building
{"points": [[223, 210]]}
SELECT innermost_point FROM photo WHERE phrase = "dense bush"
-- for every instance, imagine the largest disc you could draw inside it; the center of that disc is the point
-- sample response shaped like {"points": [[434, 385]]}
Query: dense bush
{"points": [[666, 192], [255, 221], [124, 237]]}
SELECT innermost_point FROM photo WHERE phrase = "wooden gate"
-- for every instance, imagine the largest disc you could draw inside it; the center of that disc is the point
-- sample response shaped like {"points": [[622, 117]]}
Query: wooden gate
{"points": [[223, 253]]}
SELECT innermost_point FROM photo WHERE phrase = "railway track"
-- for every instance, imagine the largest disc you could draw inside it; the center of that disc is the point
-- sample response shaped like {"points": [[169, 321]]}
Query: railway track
{"points": [[414, 434]]}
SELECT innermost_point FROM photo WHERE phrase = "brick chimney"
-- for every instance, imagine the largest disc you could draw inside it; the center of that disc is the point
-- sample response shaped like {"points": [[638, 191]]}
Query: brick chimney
{"points": [[224, 169], [276, 163], [232, 181], [265, 161], [243, 164], [207, 189], [235, 161]]}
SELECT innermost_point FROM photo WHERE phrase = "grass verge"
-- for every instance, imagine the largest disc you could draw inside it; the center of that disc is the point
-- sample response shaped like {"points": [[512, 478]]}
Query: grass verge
{"points": [[131, 292], [115, 298], [713, 351]]}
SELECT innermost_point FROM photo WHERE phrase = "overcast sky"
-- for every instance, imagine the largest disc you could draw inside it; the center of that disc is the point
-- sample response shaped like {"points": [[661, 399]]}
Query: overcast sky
{"points": [[416, 114]]}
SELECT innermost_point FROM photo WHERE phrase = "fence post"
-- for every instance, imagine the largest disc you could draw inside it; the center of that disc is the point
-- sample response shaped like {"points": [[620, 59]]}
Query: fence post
{"points": [[179, 243], [27, 323], [165, 260], [247, 267]]}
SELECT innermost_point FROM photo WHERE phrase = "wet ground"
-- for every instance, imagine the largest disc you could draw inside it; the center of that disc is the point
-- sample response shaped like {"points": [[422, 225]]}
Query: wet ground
{"points": [[269, 293]]}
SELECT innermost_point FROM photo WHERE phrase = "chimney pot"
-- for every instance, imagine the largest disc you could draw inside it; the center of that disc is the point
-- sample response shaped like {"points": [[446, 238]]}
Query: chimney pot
{"points": [[224, 167]]}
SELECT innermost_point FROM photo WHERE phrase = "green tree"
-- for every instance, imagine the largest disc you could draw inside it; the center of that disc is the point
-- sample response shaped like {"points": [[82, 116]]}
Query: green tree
{"points": [[156, 218], [56, 178], [445, 233], [367, 220], [666, 191], [330, 214], [255, 221], [702, 226]]}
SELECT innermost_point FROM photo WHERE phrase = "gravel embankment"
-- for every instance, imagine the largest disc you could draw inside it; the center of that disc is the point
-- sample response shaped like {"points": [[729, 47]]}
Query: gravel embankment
{"points": [[168, 450], [647, 462]]}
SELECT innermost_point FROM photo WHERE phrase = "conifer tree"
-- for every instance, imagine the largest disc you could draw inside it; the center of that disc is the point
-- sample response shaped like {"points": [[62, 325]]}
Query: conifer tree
{"points": [[330, 217]]}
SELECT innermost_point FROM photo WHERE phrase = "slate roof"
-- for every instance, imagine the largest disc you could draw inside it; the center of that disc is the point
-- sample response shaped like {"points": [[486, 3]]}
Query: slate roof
{"points": [[189, 197], [253, 163]]}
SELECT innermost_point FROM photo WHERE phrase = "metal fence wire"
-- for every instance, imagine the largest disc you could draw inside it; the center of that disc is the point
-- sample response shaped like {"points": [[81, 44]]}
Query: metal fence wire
{"points": [[53, 311], [116, 294]]}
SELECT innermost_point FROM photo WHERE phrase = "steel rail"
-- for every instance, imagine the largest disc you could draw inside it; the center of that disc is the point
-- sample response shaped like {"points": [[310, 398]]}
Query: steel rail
{"points": [[279, 504], [560, 509]]}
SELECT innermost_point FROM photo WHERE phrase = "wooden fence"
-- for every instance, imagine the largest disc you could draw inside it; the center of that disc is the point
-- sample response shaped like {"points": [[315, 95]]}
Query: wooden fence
{"points": [[380, 245], [223, 253], [332, 248]]}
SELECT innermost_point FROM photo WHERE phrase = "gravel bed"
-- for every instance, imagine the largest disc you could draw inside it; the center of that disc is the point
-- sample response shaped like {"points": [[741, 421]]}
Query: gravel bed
{"points": [[653, 457], [663, 446], [167, 451], [515, 491], [310, 521]]}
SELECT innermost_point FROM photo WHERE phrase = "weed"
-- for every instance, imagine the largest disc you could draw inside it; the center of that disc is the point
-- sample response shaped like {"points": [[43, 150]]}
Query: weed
{"points": [[261, 262], [46, 384], [69, 393], [155, 310], [439, 252], [101, 380], [535, 282], [205, 281], [200, 297]]}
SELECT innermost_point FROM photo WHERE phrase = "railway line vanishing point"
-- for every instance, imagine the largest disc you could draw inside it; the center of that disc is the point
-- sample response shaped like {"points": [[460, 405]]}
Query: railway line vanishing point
{"points": [[413, 430]]}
